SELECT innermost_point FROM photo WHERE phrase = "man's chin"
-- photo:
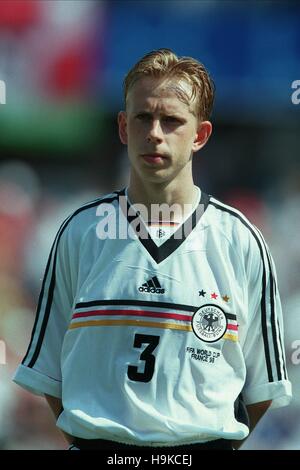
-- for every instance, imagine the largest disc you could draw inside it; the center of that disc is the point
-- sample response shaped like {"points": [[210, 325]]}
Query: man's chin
{"points": [[151, 174], [155, 175]]}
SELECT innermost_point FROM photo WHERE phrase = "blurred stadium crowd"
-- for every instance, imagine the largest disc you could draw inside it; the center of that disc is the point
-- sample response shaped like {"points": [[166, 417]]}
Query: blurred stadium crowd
{"points": [[63, 64]]}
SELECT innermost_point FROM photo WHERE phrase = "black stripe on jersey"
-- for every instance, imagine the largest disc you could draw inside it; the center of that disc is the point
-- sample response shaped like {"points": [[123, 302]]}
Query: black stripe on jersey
{"points": [[52, 282], [274, 334], [145, 303], [263, 297], [278, 327], [40, 299], [160, 253], [273, 318], [140, 303], [230, 316]]}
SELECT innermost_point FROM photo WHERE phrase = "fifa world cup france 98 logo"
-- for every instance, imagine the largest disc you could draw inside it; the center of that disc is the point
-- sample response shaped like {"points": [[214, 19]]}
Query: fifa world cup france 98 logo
{"points": [[209, 323]]}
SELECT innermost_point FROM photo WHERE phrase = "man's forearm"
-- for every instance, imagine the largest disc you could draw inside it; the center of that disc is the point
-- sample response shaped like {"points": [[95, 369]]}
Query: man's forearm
{"points": [[255, 413], [56, 407]]}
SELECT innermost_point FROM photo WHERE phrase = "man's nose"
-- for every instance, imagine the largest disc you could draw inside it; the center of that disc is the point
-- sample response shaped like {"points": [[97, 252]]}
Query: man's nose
{"points": [[155, 133]]}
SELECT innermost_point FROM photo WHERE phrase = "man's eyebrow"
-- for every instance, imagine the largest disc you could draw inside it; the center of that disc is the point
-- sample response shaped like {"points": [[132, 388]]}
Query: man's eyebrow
{"points": [[166, 114], [143, 112]]}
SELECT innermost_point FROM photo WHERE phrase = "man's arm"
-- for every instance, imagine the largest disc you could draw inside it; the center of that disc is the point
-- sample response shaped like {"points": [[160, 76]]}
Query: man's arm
{"points": [[56, 407], [255, 412]]}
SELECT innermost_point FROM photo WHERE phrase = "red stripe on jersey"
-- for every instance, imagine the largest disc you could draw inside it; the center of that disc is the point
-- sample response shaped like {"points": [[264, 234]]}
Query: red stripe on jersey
{"points": [[135, 313], [232, 327]]}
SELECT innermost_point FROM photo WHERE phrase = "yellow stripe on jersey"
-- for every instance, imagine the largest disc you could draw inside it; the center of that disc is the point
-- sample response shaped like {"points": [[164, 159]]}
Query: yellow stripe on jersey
{"points": [[171, 326], [231, 337]]}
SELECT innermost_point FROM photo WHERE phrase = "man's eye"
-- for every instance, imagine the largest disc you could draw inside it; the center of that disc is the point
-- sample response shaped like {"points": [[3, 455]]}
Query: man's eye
{"points": [[143, 117], [171, 119]]}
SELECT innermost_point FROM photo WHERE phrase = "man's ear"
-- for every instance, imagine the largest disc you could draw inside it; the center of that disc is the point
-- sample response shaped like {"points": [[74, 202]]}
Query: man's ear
{"points": [[122, 122], [203, 133]]}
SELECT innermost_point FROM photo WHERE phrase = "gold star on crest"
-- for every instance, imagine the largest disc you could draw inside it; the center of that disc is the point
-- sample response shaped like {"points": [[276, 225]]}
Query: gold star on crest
{"points": [[225, 298]]}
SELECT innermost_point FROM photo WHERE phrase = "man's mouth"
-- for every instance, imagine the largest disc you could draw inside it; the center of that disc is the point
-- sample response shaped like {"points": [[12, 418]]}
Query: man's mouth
{"points": [[153, 158]]}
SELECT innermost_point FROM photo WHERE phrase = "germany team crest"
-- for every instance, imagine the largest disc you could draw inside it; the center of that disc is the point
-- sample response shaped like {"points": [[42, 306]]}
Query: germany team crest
{"points": [[209, 323]]}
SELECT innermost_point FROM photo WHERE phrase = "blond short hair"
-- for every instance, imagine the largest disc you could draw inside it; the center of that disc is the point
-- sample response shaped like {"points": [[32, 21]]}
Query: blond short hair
{"points": [[164, 63]]}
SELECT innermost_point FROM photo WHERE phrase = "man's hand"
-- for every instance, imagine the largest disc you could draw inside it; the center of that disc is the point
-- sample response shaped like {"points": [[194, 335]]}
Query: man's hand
{"points": [[255, 412], [56, 406]]}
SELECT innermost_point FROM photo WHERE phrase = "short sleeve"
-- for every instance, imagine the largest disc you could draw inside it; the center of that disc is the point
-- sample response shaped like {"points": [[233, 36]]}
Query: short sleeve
{"points": [[40, 370], [263, 348]]}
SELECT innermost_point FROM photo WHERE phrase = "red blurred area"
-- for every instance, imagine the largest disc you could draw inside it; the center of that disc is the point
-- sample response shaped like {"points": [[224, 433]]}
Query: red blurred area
{"points": [[250, 204], [19, 14], [69, 72]]}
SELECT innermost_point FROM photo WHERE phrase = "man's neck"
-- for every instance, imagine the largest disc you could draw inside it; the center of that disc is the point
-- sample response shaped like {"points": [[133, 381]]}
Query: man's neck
{"points": [[182, 197]]}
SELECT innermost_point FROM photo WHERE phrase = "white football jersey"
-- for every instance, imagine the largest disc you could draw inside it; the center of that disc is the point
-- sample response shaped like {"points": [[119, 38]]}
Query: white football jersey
{"points": [[157, 344]]}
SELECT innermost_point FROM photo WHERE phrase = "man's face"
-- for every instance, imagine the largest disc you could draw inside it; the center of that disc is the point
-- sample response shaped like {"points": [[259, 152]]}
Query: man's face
{"points": [[160, 130]]}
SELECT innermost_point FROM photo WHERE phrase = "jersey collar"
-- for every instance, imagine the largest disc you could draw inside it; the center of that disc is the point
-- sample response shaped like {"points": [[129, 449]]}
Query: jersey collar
{"points": [[160, 253]]}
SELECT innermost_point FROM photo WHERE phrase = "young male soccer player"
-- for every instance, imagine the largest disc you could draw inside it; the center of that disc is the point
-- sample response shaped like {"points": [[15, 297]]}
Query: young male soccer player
{"points": [[159, 331]]}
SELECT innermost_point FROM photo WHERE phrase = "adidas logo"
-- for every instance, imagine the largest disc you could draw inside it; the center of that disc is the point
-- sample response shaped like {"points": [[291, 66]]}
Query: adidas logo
{"points": [[153, 286]]}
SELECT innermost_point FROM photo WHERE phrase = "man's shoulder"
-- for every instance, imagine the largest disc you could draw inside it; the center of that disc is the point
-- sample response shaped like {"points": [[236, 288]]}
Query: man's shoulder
{"points": [[90, 206], [83, 217], [230, 215], [235, 225]]}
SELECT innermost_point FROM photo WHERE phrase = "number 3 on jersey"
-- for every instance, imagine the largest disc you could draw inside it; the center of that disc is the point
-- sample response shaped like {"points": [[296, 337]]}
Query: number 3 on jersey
{"points": [[146, 356]]}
